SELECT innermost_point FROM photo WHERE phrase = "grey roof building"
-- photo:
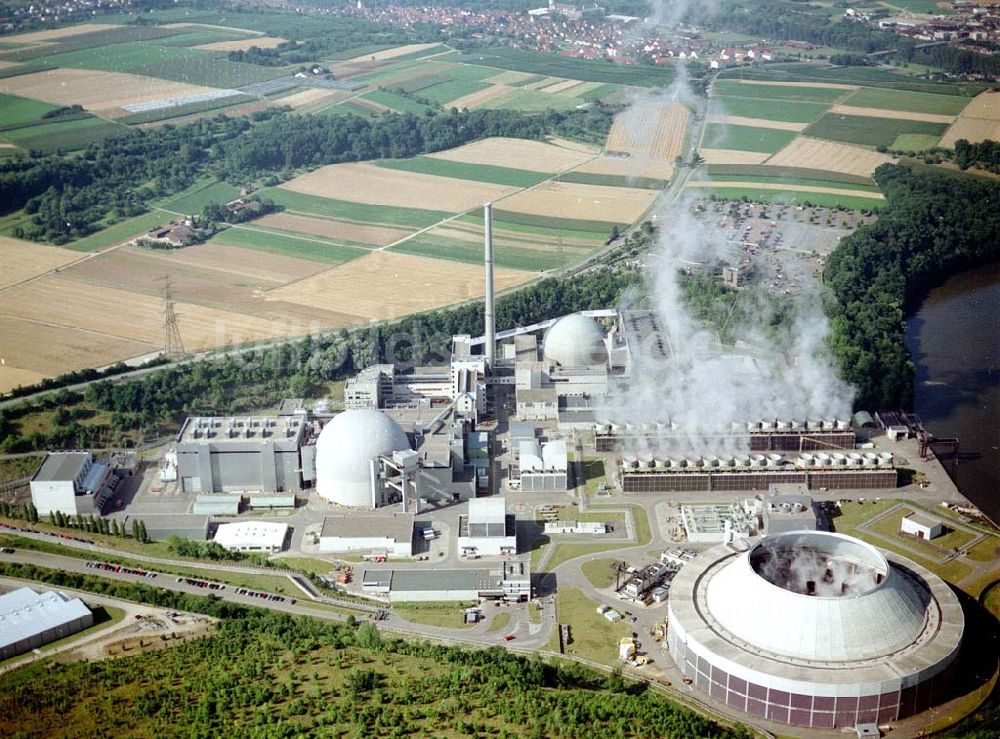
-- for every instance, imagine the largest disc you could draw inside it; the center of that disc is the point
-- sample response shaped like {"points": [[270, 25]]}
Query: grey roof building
{"points": [[29, 620]]}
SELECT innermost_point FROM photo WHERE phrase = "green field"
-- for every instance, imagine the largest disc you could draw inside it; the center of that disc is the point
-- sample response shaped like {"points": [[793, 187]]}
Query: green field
{"points": [[531, 101], [17, 111], [210, 70], [465, 171], [792, 111], [120, 232], [792, 182], [444, 92], [348, 107], [915, 142], [867, 131], [199, 36], [613, 180], [273, 242], [471, 252], [746, 138], [910, 102], [76, 133], [825, 200], [93, 40], [865, 76], [194, 199], [357, 212], [521, 60], [396, 102], [127, 57], [729, 88], [437, 49], [552, 234], [757, 171]]}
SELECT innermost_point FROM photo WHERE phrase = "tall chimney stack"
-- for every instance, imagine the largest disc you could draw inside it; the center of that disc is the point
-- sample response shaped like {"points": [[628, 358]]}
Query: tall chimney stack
{"points": [[490, 320]]}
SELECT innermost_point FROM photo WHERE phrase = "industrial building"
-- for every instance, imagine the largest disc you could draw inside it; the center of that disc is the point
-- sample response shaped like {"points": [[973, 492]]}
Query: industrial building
{"points": [[543, 467], [29, 620], [822, 470], [390, 536], [160, 526], [72, 483], [243, 454], [509, 581], [713, 523], [921, 525], [781, 513], [488, 530], [252, 536], [815, 629]]}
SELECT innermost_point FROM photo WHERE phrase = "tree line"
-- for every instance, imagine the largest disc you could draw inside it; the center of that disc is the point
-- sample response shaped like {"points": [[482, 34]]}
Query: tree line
{"points": [[934, 225]]}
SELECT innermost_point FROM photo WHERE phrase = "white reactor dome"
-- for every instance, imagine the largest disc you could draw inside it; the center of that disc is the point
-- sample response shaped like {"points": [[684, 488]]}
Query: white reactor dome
{"points": [[344, 452], [815, 629], [575, 341]]}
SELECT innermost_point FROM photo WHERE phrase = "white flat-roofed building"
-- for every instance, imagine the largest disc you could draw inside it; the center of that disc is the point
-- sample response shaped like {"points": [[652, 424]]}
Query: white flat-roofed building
{"points": [[921, 525], [69, 482], [510, 581], [488, 530], [392, 535], [252, 536], [29, 620]]}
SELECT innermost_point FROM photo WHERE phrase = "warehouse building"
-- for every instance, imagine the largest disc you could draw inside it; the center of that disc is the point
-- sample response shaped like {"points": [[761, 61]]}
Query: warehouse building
{"points": [[815, 629], [252, 536], [160, 526], [72, 483], [29, 620], [243, 453], [921, 525], [510, 581], [781, 513], [391, 536], [488, 530]]}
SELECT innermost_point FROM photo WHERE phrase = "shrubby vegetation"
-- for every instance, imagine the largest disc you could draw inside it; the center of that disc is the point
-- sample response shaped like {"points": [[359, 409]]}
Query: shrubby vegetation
{"points": [[934, 225], [264, 674]]}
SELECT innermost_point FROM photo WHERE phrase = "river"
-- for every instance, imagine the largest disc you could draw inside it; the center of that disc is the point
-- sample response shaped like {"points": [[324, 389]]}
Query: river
{"points": [[955, 341]]}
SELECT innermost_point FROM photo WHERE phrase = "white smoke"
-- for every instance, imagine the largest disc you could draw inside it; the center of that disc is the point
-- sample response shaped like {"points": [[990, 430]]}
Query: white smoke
{"points": [[669, 13]]}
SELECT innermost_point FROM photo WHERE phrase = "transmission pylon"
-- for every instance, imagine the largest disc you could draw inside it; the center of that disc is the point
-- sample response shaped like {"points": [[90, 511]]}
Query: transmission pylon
{"points": [[172, 344]]}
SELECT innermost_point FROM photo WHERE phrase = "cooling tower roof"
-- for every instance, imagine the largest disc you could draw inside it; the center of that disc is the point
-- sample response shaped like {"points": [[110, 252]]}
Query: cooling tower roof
{"points": [[575, 341], [344, 452]]}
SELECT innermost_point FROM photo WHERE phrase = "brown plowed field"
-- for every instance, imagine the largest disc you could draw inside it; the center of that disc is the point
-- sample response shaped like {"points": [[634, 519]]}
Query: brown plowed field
{"points": [[901, 115], [560, 86], [261, 42], [479, 97], [737, 120], [375, 235], [99, 91], [978, 122], [385, 285], [54, 34], [391, 53], [584, 202], [816, 154], [797, 188], [365, 183], [516, 153], [22, 259], [243, 263]]}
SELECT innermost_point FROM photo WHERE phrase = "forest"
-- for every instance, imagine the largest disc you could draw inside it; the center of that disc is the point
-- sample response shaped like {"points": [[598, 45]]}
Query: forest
{"points": [[259, 379], [264, 674], [879, 273], [985, 154], [68, 198]]}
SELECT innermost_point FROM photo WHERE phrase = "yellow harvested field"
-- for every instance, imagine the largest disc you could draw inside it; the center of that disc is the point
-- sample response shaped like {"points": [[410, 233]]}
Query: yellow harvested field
{"points": [[517, 153], [99, 91], [574, 145], [817, 154], [628, 167], [732, 156], [234, 262], [796, 188], [560, 86], [9, 65], [509, 78], [54, 34], [365, 183], [379, 56], [128, 315], [829, 85], [247, 31], [385, 285], [22, 260], [901, 115], [585, 87], [584, 202], [261, 42], [653, 144], [979, 121], [334, 230], [308, 98], [539, 84], [34, 349], [738, 120], [474, 99]]}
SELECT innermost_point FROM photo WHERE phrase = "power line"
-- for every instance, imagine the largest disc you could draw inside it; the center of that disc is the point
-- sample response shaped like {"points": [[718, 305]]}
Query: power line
{"points": [[172, 344]]}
